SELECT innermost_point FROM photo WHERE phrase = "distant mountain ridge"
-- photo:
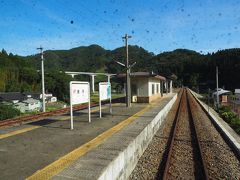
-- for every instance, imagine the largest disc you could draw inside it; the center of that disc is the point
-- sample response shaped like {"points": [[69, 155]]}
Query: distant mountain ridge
{"points": [[87, 58], [191, 67]]}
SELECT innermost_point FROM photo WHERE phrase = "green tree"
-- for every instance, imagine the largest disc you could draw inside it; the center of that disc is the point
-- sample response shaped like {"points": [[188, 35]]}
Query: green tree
{"points": [[58, 84], [13, 86], [4, 52]]}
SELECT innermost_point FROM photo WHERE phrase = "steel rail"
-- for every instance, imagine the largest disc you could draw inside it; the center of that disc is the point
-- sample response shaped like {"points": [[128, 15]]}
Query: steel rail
{"points": [[173, 134], [40, 116], [196, 133], [170, 149]]}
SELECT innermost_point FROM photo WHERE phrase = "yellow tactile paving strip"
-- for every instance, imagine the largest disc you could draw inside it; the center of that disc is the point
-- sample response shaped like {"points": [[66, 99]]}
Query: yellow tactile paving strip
{"points": [[63, 162], [13, 133]]}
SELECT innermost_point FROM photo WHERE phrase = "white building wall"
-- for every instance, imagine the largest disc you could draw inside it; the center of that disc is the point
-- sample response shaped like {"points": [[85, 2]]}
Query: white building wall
{"points": [[53, 99], [159, 88], [34, 106], [151, 82], [142, 87], [170, 88], [31, 107], [149, 88]]}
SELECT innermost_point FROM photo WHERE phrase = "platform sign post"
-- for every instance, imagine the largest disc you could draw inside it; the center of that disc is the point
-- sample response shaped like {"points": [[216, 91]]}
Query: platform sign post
{"points": [[79, 93], [104, 94]]}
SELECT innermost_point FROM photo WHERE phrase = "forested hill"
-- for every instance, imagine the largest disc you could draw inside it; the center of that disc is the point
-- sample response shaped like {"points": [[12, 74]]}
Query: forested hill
{"points": [[193, 69], [90, 58], [84, 58]]}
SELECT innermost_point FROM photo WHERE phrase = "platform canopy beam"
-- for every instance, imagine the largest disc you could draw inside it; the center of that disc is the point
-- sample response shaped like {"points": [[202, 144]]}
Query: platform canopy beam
{"points": [[92, 76]]}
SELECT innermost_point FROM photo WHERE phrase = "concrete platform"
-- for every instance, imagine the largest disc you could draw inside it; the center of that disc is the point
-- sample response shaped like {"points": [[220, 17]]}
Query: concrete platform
{"points": [[107, 148]]}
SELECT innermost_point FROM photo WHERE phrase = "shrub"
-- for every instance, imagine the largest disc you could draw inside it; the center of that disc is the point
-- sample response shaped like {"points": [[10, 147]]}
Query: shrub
{"points": [[8, 111], [230, 117]]}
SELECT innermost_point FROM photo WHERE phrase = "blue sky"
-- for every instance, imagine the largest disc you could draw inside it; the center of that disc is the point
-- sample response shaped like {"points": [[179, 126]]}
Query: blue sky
{"points": [[156, 25]]}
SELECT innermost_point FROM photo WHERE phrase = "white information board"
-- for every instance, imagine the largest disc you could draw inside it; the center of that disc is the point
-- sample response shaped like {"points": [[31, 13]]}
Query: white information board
{"points": [[104, 94], [79, 93], [104, 90]]}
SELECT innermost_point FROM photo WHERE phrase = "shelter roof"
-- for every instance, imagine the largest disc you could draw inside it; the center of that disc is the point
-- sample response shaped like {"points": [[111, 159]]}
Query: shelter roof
{"points": [[221, 92], [11, 96], [143, 74]]}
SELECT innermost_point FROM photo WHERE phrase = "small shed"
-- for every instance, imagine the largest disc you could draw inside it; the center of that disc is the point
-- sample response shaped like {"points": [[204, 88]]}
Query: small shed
{"points": [[146, 86], [223, 95]]}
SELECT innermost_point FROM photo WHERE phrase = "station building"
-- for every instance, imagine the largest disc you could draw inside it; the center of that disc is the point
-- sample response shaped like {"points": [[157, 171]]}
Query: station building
{"points": [[147, 87]]}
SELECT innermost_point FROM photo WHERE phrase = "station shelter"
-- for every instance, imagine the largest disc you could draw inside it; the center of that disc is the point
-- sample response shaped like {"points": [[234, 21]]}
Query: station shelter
{"points": [[147, 87]]}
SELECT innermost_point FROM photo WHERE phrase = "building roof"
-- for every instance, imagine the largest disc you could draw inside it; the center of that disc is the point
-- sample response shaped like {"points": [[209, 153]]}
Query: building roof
{"points": [[11, 96], [33, 95], [31, 101], [221, 92], [172, 77], [143, 74]]}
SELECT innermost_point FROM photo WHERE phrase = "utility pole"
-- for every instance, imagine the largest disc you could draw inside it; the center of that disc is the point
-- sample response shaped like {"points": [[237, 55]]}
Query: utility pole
{"points": [[208, 99], [128, 87], [217, 87], [43, 86]]}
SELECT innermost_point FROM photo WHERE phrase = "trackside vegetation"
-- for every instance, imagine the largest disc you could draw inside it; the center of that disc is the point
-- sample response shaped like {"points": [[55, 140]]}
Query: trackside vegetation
{"points": [[8, 111], [230, 117]]}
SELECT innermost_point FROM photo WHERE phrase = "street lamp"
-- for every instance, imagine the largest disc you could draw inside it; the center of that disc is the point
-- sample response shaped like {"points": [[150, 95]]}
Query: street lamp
{"points": [[43, 86]]}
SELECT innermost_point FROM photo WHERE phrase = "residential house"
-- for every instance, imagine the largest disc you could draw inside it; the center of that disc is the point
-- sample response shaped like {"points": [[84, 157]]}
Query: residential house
{"points": [[22, 101]]}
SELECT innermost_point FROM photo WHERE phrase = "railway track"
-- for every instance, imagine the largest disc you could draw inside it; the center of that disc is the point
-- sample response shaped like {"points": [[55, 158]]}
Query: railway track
{"points": [[184, 153], [222, 160], [42, 115], [188, 146], [196, 149]]}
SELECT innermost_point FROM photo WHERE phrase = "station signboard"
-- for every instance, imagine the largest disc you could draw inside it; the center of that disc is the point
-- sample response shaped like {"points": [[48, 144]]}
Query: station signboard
{"points": [[79, 94]]}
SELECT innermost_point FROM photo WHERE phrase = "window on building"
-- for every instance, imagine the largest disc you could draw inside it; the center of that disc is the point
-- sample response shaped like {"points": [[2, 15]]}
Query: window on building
{"points": [[153, 89], [157, 88]]}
